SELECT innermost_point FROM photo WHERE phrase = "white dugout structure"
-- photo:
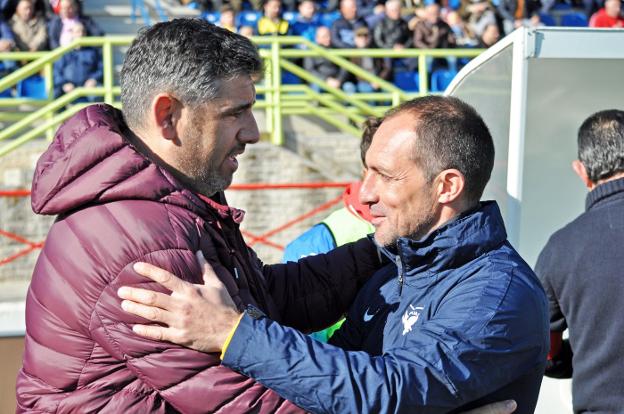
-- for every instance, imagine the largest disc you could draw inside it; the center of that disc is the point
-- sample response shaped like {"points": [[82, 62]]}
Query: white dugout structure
{"points": [[534, 88]]}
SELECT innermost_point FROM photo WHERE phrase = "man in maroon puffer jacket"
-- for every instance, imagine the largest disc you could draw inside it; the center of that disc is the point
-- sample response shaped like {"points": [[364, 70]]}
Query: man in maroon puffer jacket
{"points": [[146, 185]]}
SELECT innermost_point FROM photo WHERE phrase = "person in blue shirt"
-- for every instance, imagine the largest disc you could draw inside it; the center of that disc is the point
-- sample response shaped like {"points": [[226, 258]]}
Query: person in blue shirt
{"points": [[7, 44], [307, 21], [79, 67], [455, 320]]}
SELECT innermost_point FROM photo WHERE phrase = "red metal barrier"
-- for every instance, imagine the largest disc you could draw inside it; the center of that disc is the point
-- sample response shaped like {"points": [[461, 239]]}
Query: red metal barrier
{"points": [[251, 238]]}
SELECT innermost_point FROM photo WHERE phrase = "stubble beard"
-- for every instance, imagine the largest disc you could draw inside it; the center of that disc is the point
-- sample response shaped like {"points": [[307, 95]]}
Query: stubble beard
{"points": [[202, 176]]}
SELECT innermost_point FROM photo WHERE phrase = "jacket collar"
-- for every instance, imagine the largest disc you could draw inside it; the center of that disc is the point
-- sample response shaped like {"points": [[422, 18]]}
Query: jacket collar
{"points": [[604, 192], [457, 242]]}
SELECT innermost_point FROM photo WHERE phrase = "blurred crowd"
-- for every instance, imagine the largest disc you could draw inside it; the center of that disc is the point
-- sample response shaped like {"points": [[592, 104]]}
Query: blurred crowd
{"points": [[36, 25], [399, 24]]}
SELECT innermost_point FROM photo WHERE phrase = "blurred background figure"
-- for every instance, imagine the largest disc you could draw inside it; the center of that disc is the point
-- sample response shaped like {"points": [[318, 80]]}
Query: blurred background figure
{"points": [[227, 18], [80, 67], [518, 13], [60, 27], [29, 30], [271, 22], [307, 21], [247, 31], [7, 44], [377, 66], [478, 14], [609, 16], [464, 37], [321, 67], [343, 29], [490, 35], [392, 31]]}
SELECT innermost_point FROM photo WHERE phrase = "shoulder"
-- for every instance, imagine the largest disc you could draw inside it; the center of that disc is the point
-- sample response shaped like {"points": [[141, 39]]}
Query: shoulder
{"points": [[114, 234], [497, 284]]}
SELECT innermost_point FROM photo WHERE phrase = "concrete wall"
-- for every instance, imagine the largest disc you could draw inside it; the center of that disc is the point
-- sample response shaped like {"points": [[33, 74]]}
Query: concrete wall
{"points": [[331, 157]]}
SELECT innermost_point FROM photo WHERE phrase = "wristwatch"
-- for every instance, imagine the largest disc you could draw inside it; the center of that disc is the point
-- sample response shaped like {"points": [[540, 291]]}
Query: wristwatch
{"points": [[254, 312]]}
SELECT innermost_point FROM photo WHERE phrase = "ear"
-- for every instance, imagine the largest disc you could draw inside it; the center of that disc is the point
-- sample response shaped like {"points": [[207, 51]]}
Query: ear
{"points": [[450, 185], [581, 171], [166, 114]]}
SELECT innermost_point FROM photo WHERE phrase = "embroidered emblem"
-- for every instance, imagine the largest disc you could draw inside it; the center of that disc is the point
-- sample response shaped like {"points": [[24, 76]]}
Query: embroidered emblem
{"points": [[410, 317]]}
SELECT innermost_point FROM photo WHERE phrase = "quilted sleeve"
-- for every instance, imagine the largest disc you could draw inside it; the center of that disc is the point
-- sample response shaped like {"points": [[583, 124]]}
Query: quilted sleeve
{"points": [[191, 381]]}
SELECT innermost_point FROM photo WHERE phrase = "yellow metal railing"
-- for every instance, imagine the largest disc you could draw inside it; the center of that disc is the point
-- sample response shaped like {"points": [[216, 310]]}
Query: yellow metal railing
{"points": [[332, 105]]}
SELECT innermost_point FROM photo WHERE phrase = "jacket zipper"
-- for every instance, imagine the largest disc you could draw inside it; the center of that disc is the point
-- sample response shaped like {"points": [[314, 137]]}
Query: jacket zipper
{"points": [[399, 265]]}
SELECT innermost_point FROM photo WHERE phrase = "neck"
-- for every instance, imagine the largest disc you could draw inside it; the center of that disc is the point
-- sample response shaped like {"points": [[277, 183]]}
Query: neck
{"points": [[606, 180]]}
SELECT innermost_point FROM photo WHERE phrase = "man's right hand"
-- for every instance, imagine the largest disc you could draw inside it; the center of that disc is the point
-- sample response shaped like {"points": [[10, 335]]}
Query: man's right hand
{"points": [[501, 407]]}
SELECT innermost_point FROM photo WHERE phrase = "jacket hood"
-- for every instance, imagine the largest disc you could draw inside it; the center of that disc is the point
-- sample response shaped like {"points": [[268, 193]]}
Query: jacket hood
{"points": [[90, 162], [457, 242]]}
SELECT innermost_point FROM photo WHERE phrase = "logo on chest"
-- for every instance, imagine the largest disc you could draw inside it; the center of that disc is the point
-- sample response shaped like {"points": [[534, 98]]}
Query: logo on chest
{"points": [[410, 317]]}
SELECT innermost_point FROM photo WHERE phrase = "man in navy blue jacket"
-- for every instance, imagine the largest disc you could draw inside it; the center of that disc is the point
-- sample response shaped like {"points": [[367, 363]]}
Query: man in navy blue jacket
{"points": [[456, 319], [581, 269]]}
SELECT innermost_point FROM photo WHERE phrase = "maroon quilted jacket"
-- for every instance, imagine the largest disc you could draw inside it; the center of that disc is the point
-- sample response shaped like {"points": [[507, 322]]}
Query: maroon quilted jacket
{"points": [[117, 207]]}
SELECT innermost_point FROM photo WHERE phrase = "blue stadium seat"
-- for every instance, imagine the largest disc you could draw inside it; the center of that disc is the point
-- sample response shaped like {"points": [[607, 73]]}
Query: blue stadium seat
{"points": [[289, 78], [562, 6], [6, 93], [248, 18], [211, 17], [406, 80], [33, 87], [547, 19], [441, 78], [575, 19], [327, 19], [454, 4]]}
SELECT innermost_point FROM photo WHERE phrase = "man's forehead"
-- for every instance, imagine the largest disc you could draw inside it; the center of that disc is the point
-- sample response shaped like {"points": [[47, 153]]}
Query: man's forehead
{"points": [[393, 141]]}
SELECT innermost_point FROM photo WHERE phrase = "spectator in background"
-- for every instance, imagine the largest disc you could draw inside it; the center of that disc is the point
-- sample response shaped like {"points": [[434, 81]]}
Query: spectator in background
{"points": [[321, 67], [490, 36], [376, 66], [29, 30], [41, 8], [247, 31], [343, 29], [464, 37], [60, 31], [581, 270], [307, 21], [227, 19], [478, 14], [271, 22], [7, 44], [431, 32], [518, 13], [608, 16], [392, 31], [81, 66]]}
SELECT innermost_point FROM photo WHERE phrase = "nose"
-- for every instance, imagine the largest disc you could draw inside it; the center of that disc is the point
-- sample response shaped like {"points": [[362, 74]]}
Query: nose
{"points": [[368, 194], [249, 134]]}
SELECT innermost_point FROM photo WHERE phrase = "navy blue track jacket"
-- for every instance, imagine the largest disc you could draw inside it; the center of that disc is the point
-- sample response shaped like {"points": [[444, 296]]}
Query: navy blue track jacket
{"points": [[458, 320]]}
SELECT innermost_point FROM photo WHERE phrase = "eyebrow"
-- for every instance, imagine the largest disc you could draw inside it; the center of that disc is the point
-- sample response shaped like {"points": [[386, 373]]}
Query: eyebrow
{"points": [[238, 108]]}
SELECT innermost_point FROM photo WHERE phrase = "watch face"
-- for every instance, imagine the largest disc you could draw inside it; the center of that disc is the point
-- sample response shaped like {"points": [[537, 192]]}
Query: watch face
{"points": [[254, 312]]}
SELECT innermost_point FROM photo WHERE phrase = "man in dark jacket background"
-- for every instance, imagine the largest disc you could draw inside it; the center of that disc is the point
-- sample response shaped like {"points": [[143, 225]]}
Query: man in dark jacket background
{"points": [[146, 185], [581, 270], [457, 319]]}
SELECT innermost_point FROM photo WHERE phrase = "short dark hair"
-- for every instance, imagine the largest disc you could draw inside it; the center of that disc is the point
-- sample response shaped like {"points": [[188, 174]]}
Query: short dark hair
{"points": [[451, 134], [601, 144], [371, 124], [189, 58]]}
